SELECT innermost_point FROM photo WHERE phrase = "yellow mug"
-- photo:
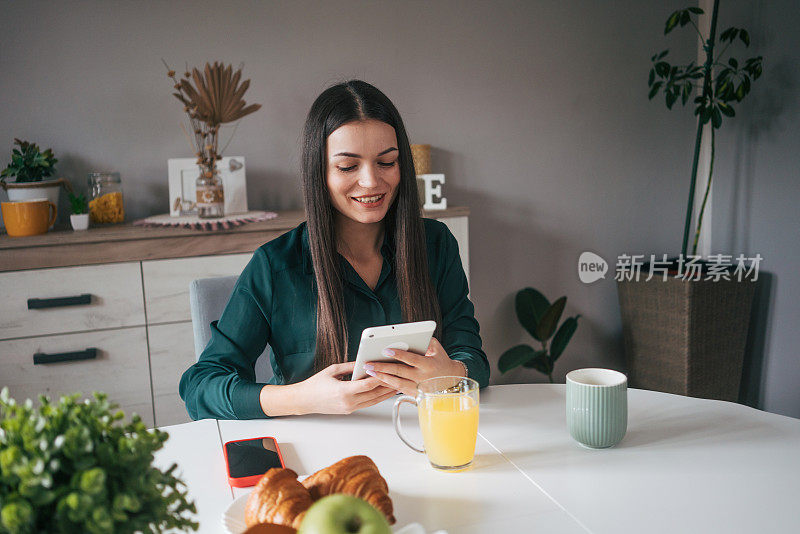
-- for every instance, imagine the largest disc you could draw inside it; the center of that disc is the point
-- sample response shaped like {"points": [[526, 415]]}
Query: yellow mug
{"points": [[28, 217], [448, 417]]}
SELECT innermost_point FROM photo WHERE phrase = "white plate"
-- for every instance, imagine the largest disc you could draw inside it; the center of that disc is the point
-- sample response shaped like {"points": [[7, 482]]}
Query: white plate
{"points": [[233, 520], [233, 517]]}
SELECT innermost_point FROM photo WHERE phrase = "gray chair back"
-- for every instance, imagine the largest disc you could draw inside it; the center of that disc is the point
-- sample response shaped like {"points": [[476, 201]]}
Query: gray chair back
{"points": [[207, 299]]}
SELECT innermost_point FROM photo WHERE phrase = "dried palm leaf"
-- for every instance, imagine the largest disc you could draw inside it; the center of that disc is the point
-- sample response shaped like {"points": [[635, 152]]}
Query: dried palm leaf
{"points": [[218, 94], [211, 97]]}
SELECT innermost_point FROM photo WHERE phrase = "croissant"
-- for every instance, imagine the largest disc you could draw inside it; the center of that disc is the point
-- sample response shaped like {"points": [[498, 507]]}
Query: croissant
{"points": [[277, 498], [270, 528], [357, 476]]}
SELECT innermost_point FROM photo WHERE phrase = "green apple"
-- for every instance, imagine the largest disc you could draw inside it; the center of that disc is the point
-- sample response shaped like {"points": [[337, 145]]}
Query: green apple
{"points": [[343, 514]]}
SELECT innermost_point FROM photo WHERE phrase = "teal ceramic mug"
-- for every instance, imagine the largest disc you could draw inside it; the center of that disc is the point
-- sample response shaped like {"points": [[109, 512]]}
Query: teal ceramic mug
{"points": [[597, 407]]}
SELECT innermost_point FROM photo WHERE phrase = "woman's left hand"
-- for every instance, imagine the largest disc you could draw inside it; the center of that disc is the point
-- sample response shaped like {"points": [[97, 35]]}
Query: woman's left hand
{"points": [[414, 368]]}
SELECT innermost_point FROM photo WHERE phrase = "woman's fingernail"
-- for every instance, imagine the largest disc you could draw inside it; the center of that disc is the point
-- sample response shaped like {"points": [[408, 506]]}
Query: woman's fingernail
{"points": [[368, 367], [370, 372], [388, 352]]}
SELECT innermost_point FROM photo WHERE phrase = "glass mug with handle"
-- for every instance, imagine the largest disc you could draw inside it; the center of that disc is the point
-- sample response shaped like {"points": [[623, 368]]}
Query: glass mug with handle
{"points": [[448, 417]]}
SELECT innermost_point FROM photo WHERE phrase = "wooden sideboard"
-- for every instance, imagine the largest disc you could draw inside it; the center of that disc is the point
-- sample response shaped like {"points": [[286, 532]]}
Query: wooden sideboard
{"points": [[128, 329]]}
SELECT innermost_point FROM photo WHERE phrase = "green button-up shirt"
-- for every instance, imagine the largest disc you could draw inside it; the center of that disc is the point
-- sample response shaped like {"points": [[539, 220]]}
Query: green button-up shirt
{"points": [[274, 302]]}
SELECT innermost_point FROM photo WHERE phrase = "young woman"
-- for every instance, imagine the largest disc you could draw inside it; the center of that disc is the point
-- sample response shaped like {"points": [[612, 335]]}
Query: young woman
{"points": [[365, 257]]}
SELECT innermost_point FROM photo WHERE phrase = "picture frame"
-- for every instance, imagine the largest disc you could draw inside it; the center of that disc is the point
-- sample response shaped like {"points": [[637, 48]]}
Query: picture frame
{"points": [[182, 176]]}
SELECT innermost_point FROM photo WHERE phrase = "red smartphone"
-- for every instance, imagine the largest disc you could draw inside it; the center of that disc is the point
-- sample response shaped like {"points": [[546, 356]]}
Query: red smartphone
{"points": [[248, 459]]}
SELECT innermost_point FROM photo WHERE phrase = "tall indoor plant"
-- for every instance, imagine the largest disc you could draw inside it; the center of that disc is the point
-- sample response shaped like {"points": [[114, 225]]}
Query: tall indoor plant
{"points": [[719, 89], [682, 335]]}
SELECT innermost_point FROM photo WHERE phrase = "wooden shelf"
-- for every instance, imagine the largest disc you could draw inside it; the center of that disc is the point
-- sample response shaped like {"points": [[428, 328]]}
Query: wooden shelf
{"points": [[126, 242]]}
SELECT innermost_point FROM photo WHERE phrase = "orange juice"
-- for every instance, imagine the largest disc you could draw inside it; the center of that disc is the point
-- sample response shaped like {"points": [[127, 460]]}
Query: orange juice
{"points": [[449, 426]]}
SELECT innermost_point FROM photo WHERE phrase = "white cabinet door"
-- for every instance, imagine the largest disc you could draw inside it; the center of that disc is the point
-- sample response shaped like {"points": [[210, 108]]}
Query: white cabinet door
{"points": [[48, 301], [459, 226], [166, 283], [171, 353], [119, 368]]}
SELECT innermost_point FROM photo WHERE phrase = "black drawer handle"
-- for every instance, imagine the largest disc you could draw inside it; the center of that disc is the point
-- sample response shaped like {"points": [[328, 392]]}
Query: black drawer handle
{"points": [[59, 302], [41, 358]]}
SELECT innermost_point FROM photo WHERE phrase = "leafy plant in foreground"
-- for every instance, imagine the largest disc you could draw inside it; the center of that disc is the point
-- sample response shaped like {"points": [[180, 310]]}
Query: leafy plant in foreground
{"points": [[76, 466]]}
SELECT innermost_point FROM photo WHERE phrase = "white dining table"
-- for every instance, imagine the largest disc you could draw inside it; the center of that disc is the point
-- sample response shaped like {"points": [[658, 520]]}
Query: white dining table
{"points": [[685, 465]]}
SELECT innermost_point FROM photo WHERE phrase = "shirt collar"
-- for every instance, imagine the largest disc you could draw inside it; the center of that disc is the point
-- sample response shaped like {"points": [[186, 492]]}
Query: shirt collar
{"points": [[387, 248]]}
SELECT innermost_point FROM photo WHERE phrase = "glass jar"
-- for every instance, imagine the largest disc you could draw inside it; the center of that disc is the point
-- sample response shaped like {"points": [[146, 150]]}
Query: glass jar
{"points": [[105, 198], [210, 195]]}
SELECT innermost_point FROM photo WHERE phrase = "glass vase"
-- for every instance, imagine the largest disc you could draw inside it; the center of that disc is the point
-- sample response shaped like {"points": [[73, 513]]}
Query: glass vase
{"points": [[210, 194]]}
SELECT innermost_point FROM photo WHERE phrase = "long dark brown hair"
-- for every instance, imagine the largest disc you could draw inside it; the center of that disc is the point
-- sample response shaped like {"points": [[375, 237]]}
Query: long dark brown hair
{"points": [[356, 100]]}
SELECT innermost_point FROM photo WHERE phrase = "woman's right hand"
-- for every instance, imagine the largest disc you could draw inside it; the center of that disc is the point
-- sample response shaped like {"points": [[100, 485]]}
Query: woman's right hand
{"points": [[325, 393]]}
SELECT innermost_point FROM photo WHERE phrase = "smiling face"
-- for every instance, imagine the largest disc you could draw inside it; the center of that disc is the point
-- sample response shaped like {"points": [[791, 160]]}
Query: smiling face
{"points": [[363, 170]]}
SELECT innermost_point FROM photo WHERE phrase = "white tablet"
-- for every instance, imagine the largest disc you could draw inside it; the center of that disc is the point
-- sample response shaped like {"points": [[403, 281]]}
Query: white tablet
{"points": [[413, 337]]}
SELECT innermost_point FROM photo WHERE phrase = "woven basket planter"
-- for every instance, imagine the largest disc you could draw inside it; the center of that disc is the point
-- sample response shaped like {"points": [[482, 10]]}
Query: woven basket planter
{"points": [[686, 337]]}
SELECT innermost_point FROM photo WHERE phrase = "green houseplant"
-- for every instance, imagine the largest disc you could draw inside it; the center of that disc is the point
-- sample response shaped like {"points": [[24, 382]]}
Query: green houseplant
{"points": [[688, 335], [76, 466], [721, 84], [29, 167], [29, 163], [539, 318], [79, 218]]}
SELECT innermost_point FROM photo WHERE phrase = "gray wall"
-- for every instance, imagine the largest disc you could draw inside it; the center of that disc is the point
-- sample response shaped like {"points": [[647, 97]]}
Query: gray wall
{"points": [[537, 111], [756, 194]]}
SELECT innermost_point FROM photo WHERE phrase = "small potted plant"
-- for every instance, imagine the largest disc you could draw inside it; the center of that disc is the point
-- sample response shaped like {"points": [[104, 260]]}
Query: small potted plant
{"points": [[80, 212], [78, 466], [540, 319], [29, 167]]}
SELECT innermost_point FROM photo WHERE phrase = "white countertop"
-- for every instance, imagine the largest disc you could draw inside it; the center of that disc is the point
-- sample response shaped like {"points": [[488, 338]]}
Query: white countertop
{"points": [[685, 465]]}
